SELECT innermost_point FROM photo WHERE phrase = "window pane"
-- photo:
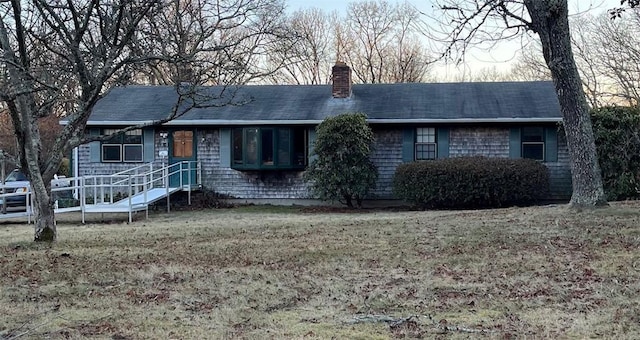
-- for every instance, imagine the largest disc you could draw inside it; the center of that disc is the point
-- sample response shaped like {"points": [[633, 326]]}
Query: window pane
{"points": [[284, 147], [113, 140], [133, 153], [267, 146], [425, 151], [532, 134], [237, 146], [252, 146], [533, 150], [133, 137], [299, 147], [425, 135], [111, 153]]}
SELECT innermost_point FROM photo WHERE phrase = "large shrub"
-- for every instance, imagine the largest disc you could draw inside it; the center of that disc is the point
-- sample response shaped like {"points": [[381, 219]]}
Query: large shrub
{"points": [[617, 133], [471, 182], [342, 170]]}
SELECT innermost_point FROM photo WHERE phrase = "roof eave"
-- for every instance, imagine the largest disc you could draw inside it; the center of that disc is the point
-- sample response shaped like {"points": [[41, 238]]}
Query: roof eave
{"points": [[315, 121]]}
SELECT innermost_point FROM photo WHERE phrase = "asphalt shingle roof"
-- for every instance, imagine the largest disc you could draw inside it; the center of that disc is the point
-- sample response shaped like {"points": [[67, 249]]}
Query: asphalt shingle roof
{"points": [[473, 102]]}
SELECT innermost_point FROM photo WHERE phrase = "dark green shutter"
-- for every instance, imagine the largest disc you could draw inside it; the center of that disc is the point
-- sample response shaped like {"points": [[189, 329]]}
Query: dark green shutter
{"points": [[408, 144], [148, 140], [443, 142], [551, 144], [225, 147], [94, 147], [311, 146], [515, 143]]}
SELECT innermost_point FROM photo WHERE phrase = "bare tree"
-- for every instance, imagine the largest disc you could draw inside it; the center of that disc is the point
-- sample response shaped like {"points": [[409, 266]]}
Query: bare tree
{"points": [[548, 19], [410, 63], [210, 42], [614, 52], [379, 41], [530, 65], [606, 54], [489, 74], [61, 56], [305, 58], [583, 45]]}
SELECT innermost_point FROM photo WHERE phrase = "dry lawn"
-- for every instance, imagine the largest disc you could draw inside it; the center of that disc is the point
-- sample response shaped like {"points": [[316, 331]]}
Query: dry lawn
{"points": [[266, 272]]}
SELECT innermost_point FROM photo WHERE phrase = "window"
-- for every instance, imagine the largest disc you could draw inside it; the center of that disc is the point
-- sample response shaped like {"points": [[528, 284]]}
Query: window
{"points": [[426, 144], [533, 143], [122, 147], [266, 148]]}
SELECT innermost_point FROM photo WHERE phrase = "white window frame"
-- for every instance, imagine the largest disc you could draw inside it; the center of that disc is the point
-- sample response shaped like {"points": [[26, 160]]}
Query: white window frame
{"points": [[418, 141], [102, 153], [124, 147]]}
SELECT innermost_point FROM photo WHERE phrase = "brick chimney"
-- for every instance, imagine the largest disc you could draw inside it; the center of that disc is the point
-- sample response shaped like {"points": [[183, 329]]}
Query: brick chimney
{"points": [[341, 76]]}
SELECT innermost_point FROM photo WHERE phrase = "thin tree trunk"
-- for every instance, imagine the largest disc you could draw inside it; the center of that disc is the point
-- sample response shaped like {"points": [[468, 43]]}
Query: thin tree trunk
{"points": [[45, 229], [550, 21]]}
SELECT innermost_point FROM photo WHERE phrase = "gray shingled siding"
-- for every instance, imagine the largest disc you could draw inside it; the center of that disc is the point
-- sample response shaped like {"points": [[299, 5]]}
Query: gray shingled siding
{"points": [[387, 155], [560, 172], [494, 142], [88, 168], [245, 184], [479, 141]]}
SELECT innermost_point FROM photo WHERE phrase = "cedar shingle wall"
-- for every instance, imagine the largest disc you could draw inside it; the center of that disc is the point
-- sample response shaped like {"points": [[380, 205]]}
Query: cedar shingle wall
{"points": [[479, 141], [245, 184], [494, 142], [560, 172], [386, 155]]}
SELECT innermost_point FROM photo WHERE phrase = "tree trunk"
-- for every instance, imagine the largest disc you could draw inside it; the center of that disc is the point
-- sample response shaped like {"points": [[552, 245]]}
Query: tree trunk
{"points": [[549, 19], [23, 108], [45, 229]]}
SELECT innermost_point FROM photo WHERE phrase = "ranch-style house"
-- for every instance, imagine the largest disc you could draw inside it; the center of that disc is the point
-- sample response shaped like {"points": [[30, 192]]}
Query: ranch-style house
{"points": [[257, 142]]}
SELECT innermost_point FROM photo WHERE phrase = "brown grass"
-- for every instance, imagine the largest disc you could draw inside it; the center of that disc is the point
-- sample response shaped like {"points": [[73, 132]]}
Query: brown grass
{"points": [[541, 272]]}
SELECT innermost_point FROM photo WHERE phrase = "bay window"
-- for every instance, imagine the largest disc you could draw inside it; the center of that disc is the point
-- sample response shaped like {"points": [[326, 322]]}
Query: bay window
{"points": [[264, 148]]}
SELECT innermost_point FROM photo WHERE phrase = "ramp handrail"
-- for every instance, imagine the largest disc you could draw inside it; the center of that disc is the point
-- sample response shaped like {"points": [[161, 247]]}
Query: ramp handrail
{"points": [[102, 189]]}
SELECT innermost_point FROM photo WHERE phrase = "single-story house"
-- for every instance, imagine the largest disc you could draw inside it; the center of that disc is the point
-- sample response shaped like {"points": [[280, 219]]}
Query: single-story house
{"points": [[258, 146]]}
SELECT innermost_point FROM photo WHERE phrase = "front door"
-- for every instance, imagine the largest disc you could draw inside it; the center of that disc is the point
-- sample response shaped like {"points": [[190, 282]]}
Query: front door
{"points": [[182, 157]]}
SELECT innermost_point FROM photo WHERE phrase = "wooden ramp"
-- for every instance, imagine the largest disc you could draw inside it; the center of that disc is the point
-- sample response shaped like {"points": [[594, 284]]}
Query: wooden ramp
{"points": [[145, 184], [138, 202]]}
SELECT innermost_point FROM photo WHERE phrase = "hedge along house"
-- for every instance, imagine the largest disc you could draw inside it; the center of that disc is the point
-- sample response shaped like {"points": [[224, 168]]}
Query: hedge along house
{"points": [[258, 146]]}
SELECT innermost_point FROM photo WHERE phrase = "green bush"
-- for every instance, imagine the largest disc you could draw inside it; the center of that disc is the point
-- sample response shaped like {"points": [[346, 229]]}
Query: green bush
{"points": [[342, 170], [617, 133], [471, 182]]}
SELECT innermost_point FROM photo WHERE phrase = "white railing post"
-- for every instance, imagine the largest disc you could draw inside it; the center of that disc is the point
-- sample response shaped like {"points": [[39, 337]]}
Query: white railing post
{"points": [[83, 197], [130, 207], [29, 204], [189, 165]]}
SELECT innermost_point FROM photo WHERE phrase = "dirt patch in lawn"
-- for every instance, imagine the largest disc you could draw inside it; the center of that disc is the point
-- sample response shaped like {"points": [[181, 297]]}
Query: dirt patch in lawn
{"points": [[264, 272]]}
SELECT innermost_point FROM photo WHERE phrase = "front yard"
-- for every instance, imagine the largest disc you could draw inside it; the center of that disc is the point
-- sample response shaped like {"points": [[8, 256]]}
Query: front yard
{"points": [[264, 272]]}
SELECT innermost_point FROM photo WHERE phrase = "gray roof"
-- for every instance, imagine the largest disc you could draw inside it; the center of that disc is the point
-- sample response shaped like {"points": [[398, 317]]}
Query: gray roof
{"points": [[310, 104]]}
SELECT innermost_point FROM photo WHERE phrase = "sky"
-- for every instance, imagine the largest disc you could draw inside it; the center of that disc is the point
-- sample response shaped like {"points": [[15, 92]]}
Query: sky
{"points": [[500, 56]]}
